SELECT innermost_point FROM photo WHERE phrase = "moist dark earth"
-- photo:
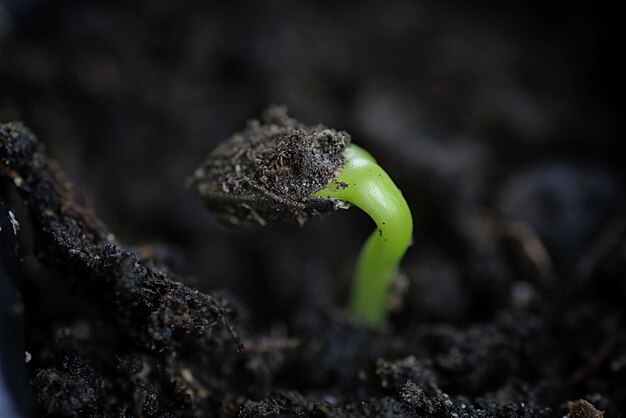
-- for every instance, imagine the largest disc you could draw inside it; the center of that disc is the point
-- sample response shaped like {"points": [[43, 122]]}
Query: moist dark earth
{"points": [[498, 123]]}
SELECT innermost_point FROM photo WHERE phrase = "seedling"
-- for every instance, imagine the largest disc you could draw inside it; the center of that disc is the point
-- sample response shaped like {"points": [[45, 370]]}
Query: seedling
{"points": [[279, 169]]}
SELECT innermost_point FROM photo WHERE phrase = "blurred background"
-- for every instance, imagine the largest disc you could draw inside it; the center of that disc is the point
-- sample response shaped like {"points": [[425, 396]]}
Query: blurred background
{"points": [[498, 122]]}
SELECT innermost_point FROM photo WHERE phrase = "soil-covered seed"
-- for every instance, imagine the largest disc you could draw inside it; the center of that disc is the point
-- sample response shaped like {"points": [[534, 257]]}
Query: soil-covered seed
{"points": [[270, 170]]}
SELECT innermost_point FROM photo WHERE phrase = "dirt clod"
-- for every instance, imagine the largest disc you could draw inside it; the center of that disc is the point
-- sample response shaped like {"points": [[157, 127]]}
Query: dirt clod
{"points": [[583, 409]]}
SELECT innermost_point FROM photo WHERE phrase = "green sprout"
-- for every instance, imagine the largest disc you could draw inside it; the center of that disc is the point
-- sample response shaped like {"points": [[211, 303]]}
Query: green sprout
{"points": [[278, 169], [363, 183]]}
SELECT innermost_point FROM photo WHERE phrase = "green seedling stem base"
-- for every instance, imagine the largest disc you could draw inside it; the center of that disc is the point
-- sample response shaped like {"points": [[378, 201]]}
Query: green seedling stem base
{"points": [[363, 183]]}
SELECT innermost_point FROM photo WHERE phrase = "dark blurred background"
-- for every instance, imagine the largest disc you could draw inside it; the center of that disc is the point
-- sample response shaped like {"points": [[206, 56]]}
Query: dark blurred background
{"points": [[485, 115]]}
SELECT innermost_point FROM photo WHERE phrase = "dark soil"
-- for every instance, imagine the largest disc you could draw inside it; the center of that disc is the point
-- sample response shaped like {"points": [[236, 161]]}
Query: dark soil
{"points": [[498, 123]]}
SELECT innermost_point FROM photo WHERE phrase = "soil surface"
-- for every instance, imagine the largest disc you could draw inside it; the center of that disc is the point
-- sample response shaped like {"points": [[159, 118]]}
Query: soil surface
{"points": [[498, 123]]}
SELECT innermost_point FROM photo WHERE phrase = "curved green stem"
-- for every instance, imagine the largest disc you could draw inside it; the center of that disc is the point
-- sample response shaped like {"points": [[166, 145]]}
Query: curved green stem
{"points": [[363, 183]]}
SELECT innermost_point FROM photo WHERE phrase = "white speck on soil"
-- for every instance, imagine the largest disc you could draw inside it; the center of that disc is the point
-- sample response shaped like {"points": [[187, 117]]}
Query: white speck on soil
{"points": [[14, 223]]}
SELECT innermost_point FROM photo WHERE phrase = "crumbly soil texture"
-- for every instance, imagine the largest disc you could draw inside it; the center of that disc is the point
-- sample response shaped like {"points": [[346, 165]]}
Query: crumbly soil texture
{"points": [[499, 127]]}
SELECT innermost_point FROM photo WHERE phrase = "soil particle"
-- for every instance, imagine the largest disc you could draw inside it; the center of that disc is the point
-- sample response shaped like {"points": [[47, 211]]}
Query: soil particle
{"points": [[582, 409], [269, 171], [70, 386]]}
